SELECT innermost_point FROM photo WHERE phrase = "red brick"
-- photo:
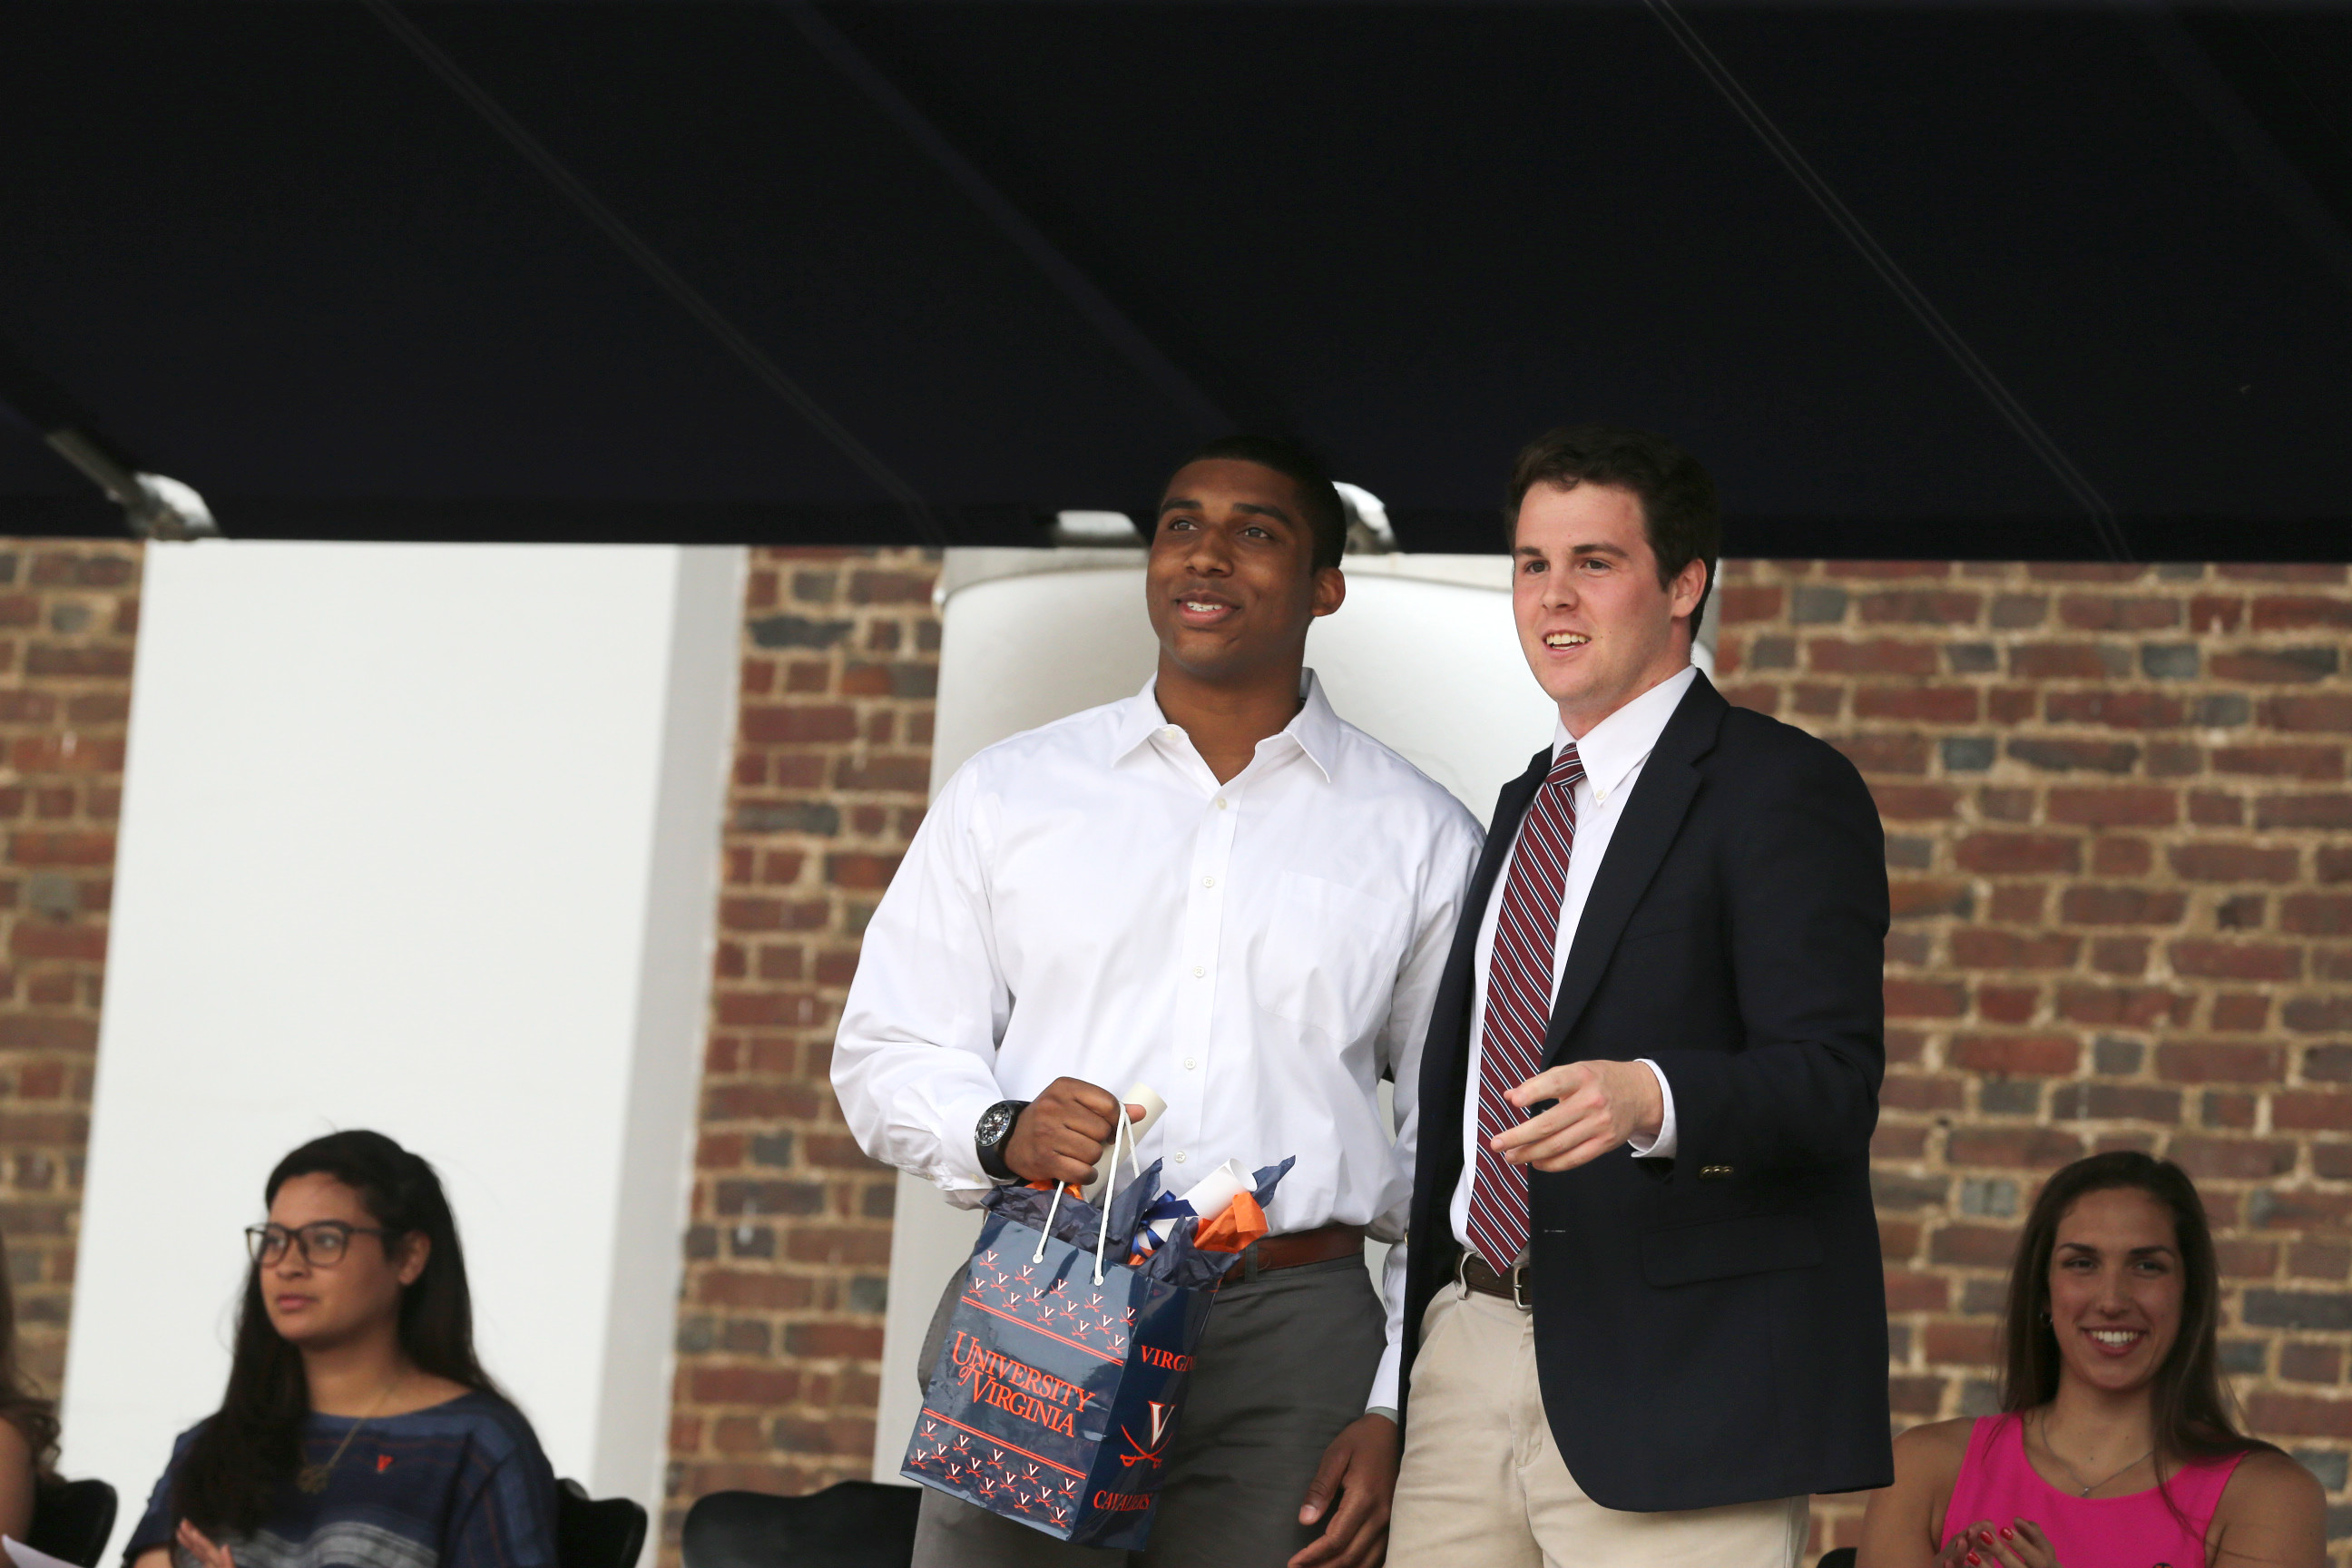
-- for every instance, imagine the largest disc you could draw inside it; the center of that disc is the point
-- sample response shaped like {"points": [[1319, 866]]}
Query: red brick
{"points": [[1916, 896], [2008, 1004], [2113, 855], [2313, 763], [2118, 710], [2083, 572], [2310, 1111], [2138, 806], [1977, 947], [2010, 854], [792, 725], [2122, 906], [2267, 666], [2233, 1159], [2240, 1012], [1742, 605], [2317, 914], [2318, 1015], [1909, 1290], [1972, 1245], [1926, 704], [2215, 613], [1922, 607], [2235, 863], [2058, 661], [2032, 1056], [2328, 713], [2013, 1148], [1876, 655], [2272, 572], [2236, 960], [2214, 1062], [2083, 613], [2304, 811], [1886, 570], [1925, 999], [1915, 803]]}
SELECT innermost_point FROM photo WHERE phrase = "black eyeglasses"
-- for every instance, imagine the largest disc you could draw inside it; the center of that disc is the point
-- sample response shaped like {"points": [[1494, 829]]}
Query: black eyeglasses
{"points": [[323, 1242]]}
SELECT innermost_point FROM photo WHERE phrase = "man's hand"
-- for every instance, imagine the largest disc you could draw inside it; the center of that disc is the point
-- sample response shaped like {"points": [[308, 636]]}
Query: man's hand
{"points": [[1061, 1133], [1360, 1468], [1601, 1105]]}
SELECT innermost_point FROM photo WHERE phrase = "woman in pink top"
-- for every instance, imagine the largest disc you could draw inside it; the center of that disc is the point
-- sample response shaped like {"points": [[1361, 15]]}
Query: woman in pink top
{"points": [[2115, 1448]]}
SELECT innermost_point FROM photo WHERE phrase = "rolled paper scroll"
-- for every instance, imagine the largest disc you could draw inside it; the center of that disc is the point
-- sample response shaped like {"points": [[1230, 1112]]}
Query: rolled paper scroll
{"points": [[1154, 1109], [1207, 1197]]}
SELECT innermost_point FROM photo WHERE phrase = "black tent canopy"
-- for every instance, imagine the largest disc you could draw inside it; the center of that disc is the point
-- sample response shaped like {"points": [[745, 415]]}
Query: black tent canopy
{"points": [[1927, 281]]}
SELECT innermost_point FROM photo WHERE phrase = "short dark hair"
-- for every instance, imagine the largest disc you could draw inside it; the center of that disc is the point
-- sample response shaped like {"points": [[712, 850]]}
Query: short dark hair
{"points": [[1325, 518], [1678, 507]]}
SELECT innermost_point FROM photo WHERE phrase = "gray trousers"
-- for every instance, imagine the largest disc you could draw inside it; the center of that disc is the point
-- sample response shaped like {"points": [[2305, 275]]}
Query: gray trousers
{"points": [[1287, 1361]]}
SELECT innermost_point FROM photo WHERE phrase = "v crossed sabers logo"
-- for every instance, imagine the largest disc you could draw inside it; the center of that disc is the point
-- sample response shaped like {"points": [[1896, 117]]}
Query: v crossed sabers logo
{"points": [[1161, 1414]]}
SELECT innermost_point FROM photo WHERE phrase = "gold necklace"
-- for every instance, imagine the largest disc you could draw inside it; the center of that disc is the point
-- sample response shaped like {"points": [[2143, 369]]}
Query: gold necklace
{"points": [[312, 1479], [2072, 1473]]}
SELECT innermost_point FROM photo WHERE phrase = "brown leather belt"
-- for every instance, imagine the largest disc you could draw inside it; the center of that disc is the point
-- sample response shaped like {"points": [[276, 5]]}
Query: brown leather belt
{"points": [[1318, 1245], [1516, 1288]]}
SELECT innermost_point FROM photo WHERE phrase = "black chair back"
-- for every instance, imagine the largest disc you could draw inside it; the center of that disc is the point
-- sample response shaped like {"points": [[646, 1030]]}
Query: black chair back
{"points": [[850, 1524], [72, 1520], [596, 1535], [1837, 1557]]}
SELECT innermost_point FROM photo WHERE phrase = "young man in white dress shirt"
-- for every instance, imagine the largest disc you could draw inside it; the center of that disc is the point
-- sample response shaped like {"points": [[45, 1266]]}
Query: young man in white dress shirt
{"points": [[1218, 888]]}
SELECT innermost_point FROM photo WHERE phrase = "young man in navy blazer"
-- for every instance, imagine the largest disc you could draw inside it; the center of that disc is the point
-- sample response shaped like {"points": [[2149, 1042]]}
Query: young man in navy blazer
{"points": [[1645, 1313]]}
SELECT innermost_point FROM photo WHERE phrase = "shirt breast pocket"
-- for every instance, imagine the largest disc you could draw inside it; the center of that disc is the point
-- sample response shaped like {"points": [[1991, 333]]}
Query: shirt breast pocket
{"points": [[1326, 956]]}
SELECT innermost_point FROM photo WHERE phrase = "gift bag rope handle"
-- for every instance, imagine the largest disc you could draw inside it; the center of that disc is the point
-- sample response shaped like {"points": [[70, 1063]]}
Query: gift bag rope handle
{"points": [[1120, 1134]]}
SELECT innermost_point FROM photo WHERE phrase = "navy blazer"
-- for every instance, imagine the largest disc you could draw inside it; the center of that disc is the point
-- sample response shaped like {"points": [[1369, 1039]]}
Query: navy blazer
{"points": [[1709, 1329]]}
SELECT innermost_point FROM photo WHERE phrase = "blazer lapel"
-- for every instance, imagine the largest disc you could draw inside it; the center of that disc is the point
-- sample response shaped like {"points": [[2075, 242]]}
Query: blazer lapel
{"points": [[1643, 835]]}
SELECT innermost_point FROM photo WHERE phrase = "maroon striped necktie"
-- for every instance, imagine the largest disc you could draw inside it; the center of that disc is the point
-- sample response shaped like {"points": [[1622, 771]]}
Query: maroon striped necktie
{"points": [[1518, 1004]]}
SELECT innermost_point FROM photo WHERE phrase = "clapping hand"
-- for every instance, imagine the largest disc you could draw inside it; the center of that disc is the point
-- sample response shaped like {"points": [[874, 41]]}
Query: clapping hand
{"points": [[199, 1545], [1987, 1545]]}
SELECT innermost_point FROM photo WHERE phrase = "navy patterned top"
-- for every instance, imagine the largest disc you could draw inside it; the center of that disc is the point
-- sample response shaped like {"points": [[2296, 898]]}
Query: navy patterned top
{"points": [[461, 1484]]}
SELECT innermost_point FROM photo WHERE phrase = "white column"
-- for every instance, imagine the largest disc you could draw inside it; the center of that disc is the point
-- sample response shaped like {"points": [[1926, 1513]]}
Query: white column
{"points": [[423, 839]]}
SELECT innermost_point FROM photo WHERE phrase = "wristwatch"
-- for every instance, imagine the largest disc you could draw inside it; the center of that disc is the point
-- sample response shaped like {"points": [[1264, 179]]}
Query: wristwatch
{"points": [[993, 1132]]}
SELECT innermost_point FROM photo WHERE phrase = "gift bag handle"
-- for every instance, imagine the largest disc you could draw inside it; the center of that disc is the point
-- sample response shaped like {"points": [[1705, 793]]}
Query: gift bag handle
{"points": [[1102, 1234]]}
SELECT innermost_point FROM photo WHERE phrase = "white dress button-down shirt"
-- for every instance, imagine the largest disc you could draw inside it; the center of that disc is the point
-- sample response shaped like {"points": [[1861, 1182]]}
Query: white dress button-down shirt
{"points": [[1085, 899], [1612, 755]]}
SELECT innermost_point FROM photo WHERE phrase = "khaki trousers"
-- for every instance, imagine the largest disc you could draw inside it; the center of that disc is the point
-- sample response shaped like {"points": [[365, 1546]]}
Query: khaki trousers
{"points": [[1484, 1486]]}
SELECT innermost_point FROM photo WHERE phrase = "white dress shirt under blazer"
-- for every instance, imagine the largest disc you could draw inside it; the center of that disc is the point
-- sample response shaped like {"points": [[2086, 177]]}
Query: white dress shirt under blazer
{"points": [[1612, 754], [1087, 901]]}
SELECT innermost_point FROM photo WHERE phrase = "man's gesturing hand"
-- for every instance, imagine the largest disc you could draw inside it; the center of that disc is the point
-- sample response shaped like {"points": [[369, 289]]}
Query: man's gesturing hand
{"points": [[1061, 1133], [1360, 1468], [1601, 1105]]}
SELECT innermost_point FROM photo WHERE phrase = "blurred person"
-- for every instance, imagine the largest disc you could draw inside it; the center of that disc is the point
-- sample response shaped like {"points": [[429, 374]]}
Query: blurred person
{"points": [[2114, 1447], [1646, 1315], [28, 1424], [358, 1429], [1220, 889]]}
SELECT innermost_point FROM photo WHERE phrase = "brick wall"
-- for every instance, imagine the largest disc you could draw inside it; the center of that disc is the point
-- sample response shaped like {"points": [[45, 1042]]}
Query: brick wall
{"points": [[779, 1327], [2120, 842], [68, 611]]}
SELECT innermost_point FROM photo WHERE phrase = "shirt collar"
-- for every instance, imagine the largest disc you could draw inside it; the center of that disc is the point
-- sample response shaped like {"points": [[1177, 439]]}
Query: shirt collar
{"points": [[1617, 745], [1314, 729]]}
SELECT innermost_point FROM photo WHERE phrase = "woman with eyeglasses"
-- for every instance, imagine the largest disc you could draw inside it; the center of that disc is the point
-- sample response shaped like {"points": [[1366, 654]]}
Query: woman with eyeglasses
{"points": [[358, 1430], [2114, 1447], [29, 1425]]}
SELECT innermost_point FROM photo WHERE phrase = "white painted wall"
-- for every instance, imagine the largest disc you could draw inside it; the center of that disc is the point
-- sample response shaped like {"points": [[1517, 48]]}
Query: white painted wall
{"points": [[425, 839], [1422, 656]]}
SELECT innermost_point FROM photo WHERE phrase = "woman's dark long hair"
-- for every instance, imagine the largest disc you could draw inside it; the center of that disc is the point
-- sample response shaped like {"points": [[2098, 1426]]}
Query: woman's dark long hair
{"points": [[20, 1406], [2189, 1409], [243, 1457]]}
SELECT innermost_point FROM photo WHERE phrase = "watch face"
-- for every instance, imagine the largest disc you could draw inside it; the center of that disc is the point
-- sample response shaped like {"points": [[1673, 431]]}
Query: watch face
{"points": [[994, 1123]]}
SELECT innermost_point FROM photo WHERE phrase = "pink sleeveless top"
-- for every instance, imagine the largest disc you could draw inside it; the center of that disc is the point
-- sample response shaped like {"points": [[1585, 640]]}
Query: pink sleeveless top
{"points": [[1997, 1483]]}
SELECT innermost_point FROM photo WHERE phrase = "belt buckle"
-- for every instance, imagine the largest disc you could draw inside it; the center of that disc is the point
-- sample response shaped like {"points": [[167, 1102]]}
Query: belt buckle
{"points": [[1518, 1279]]}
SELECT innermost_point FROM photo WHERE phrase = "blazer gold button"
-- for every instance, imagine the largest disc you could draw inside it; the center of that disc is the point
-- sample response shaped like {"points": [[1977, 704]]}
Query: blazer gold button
{"points": [[1712, 1172]]}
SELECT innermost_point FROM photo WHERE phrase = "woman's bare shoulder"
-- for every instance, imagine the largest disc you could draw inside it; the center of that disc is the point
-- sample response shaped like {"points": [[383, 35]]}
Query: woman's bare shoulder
{"points": [[1936, 1442], [2267, 1481]]}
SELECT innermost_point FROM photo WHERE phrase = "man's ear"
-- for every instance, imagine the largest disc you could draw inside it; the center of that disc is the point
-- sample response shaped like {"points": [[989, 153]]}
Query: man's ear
{"points": [[416, 1252], [1684, 592], [1330, 590]]}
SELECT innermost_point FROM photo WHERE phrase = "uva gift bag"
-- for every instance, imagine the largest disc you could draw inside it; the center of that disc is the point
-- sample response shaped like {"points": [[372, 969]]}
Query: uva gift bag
{"points": [[1063, 1374]]}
